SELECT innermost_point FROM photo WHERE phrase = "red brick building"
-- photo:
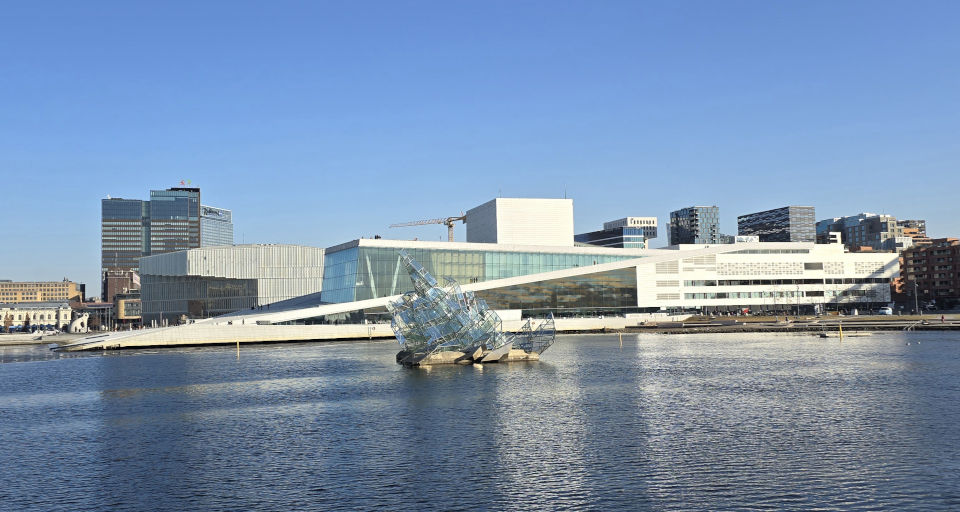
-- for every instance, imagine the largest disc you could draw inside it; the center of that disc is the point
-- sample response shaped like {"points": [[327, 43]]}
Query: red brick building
{"points": [[935, 269]]}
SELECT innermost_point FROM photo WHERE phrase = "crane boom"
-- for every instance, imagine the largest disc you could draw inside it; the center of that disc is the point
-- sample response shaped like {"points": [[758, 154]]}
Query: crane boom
{"points": [[448, 221], [419, 223]]}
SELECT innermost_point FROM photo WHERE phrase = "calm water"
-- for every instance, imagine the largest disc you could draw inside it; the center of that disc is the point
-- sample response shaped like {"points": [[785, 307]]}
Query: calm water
{"points": [[671, 422]]}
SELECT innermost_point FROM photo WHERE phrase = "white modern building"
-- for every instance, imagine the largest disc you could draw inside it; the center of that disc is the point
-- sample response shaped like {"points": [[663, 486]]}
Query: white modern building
{"points": [[362, 275], [768, 276], [210, 281], [272, 290], [522, 221]]}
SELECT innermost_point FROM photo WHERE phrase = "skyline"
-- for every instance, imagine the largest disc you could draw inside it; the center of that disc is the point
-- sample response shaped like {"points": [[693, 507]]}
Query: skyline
{"points": [[318, 124]]}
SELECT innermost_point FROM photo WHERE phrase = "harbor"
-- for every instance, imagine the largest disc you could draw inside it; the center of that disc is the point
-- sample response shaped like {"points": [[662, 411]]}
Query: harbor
{"points": [[600, 422]]}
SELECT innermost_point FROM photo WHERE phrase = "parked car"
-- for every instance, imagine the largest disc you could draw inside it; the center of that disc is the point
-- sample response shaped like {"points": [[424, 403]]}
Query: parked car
{"points": [[885, 311]]}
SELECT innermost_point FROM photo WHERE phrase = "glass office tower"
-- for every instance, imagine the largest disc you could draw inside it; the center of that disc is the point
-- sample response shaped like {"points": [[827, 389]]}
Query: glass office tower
{"points": [[122, 233], [216, 226], [174, 220], [695, 225]]}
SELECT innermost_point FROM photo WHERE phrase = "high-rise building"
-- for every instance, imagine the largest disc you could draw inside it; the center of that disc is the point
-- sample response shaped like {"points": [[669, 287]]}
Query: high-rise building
{"points": [[132, 228], [695, 225], [174, 220], [124, 228], [216, 226], [786, 224]]}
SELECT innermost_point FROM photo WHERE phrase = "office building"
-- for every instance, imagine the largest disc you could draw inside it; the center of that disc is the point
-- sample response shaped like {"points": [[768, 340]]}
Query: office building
{"points": [[695, 225], [522, 221], [216, 226], [871, 231], [648, 225], [786, 224], [127, 309], [625, 233], [172, 220], [932, 273], [210, 281], [14, 292], [124, 228]]}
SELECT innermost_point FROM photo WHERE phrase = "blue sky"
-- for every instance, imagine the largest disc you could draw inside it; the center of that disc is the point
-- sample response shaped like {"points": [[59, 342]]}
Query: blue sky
{"points": [[321, 122]]}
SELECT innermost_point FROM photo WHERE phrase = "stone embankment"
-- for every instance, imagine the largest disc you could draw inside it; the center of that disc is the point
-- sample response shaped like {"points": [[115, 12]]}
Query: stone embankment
{"points": [[802, 324]]}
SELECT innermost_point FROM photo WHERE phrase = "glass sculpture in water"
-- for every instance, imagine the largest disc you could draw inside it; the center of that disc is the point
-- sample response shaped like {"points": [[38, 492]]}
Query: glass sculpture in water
{"points": [[444, 324]]}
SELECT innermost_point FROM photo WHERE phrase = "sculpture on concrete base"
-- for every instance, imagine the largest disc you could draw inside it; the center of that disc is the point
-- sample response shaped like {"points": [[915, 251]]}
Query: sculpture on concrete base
{"points": [[444, 324]]}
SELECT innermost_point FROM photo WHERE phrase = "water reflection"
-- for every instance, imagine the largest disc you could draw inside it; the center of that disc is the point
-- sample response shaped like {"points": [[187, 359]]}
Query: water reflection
{"points": [[662, 423]]}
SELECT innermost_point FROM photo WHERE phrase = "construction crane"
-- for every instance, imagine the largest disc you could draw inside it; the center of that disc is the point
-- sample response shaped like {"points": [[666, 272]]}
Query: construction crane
{"points": [[448, 221]]}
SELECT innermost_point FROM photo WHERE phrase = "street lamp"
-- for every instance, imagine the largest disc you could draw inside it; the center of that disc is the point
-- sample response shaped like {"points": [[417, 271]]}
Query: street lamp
{"points": [[798, 300], [916, 300]]}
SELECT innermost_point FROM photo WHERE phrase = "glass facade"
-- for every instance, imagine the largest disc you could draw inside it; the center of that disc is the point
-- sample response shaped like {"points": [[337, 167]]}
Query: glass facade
{"points": [[361, 273], [787, 224], [122, 239], [216, 226], [195, 296], [621, 237], [174, 219], [614, 290], [695, 225]]}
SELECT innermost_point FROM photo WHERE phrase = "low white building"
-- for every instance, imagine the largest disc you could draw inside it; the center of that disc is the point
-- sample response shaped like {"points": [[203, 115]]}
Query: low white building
{"points": [[769, 276], [210, 281], [49, 315]]}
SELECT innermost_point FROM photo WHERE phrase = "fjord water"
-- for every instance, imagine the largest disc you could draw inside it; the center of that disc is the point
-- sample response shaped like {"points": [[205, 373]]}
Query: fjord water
{"points": [[698, 422]]}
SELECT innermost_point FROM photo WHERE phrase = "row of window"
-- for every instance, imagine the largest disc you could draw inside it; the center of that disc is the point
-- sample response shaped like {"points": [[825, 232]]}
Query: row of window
{"points": [[780, 294], [787, 282]]}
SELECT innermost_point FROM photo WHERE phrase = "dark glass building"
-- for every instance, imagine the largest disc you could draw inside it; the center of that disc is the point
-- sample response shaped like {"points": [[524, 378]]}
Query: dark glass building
{"points": [[122, 233], [787, 224], [174, 220], [695, 225]]}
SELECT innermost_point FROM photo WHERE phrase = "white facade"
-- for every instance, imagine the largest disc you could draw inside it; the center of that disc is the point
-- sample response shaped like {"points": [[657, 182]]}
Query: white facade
{"points": [[56, 314], [768, 276], [522, 221]]}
